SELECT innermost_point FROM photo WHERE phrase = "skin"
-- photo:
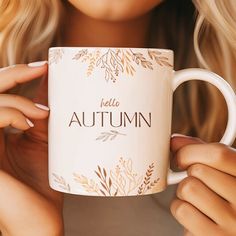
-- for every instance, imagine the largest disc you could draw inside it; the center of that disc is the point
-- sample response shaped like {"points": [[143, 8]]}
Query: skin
{"points": [[205, 202]]}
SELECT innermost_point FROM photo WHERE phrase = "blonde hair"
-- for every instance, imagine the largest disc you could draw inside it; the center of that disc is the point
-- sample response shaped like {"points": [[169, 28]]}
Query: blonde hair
{"points": [[29, 28]]}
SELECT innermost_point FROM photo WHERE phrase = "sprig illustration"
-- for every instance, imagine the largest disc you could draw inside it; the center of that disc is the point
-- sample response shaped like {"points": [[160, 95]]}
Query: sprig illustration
{"points": [[105, 181], [117, 61], [147, 184], [80, 54], [121, 181], [138, 58], [111, 62], [126, 60], [61, 182], [157, 56], [88, 184], [112, 134], [124, 178], [55, 55], [85, 56]]}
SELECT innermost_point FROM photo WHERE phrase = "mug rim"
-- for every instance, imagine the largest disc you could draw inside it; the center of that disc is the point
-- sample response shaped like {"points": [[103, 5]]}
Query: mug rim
{"points": [[142, 48]]}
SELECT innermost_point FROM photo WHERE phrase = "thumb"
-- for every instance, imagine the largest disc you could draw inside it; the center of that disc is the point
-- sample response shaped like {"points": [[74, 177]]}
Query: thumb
{"points": [[178, 141]]}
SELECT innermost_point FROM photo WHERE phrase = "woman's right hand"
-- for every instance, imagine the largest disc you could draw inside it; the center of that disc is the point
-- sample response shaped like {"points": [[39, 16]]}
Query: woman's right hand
{"points": [[28, 206]]}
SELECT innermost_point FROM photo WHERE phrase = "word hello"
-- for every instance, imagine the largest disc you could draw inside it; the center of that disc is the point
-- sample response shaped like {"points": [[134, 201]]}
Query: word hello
{"points": [[112, 102], [114, 119]]}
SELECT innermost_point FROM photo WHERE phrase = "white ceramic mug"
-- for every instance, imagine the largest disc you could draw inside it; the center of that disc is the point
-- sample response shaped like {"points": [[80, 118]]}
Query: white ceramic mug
{"points": [[110, 119]]}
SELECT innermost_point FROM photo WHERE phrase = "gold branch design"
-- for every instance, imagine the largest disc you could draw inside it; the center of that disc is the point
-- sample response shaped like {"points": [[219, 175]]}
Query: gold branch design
{"points": [[92, 62], [104, 136], [126, 60], [111, 62], [105, 182], [117, 61], [61, 182], [80, 53], [160, 60], [121, 181], [124, 178], [55, 56], [147, 184], [139, 58], [88, 184], [85, 56]]}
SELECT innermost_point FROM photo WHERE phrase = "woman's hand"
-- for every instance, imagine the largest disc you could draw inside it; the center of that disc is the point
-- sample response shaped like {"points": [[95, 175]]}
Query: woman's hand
{"points": [[206, 199], [28, 206]]}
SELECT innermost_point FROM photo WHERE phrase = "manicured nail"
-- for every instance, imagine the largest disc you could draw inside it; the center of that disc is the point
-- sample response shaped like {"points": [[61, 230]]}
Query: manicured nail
{"points": [[37, 63], [42, 106], [29, 122], [179, 135]]}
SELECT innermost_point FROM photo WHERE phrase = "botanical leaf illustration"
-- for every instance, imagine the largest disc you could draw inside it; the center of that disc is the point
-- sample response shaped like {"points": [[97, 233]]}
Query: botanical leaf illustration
{"points": [[111, 62], [55, 56], [117, 61], [88, 185], [85, 56], [104, 180], [140, 59], [147, 184], [61, 182], [121, 181], [80, 54], [112, 134], [160, 60]]}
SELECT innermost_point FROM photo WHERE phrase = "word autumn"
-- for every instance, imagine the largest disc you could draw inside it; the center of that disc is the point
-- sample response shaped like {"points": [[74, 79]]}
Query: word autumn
{"points": [[113, 119]]}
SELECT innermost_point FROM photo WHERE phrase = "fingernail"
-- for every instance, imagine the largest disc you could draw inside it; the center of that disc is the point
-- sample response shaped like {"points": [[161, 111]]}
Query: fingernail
{"points": [[179, 135], [30, 123], [42, 107], [37, 63]]}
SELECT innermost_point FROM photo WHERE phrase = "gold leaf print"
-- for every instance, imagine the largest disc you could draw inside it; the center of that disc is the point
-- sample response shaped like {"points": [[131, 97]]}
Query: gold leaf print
{"points": [[88, 185], [55, 56], [92, 62], [140, 59], [61, 182], [111, 63], [104, 136], [147, 184], [85, 56], [120, 181], [117, 61], [103, 180], [126, 60], [80, 54], [160, 60]]}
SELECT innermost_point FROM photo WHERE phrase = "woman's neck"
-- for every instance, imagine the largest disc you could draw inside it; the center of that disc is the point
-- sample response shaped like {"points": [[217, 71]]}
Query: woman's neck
{"points": [[81, 30]]}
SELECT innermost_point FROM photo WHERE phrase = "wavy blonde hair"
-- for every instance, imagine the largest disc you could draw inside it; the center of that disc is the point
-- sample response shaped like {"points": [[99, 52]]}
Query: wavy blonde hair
{"points": [[29, 28]]}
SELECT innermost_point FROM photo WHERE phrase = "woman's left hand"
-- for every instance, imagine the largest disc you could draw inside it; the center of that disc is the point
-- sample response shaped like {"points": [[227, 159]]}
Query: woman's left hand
{"points": [[206, 199]]}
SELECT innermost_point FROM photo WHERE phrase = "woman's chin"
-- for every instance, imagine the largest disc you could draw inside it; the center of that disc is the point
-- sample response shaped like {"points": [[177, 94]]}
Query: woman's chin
{"points": [[114, 10]]}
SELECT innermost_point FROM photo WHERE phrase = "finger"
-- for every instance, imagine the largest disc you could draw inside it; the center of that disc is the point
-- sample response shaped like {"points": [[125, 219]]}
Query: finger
{"points": [[219, 182], [178, 141], [13, 117], [205, 200], [25, 105], [11, 76], [215, 155], [192, 219], [40, 130]]}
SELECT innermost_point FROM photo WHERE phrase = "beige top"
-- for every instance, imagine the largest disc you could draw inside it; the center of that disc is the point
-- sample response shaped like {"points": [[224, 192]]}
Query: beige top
{"points": [[120, 216]]}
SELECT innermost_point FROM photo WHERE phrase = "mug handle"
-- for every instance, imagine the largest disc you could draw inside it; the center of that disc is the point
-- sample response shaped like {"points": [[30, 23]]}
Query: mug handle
{"points": [[182, 76]]}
